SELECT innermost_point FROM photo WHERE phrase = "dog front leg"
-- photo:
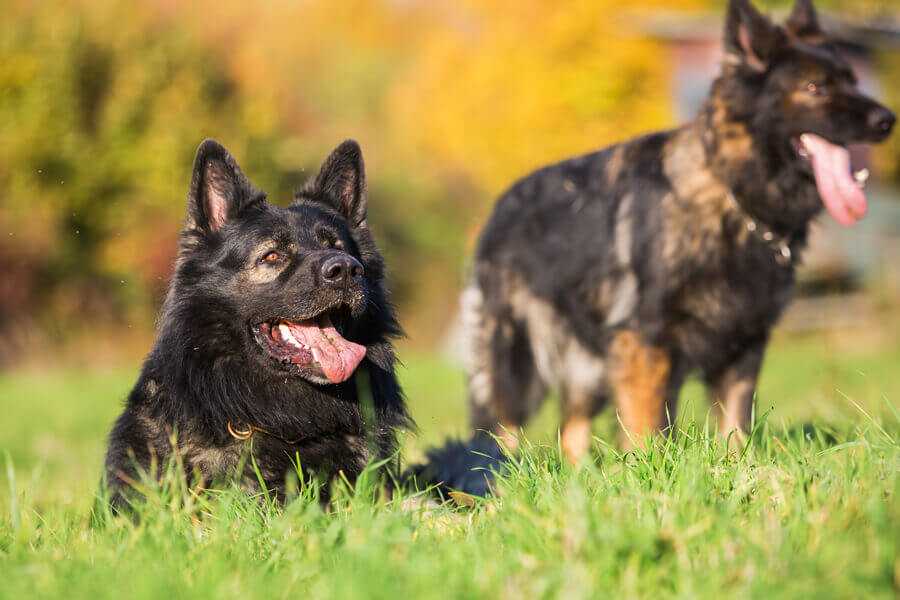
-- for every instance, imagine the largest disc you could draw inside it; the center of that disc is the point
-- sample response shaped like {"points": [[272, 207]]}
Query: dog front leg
{"points": [[639, 375], [731, 393]]}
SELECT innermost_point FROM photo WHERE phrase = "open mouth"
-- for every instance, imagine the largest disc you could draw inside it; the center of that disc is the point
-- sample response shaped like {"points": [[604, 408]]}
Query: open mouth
{"points": [[841, 189], [315, 345]]}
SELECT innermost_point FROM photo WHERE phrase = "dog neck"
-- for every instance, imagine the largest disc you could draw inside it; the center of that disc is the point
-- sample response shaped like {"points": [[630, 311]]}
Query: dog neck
{"points": [[695, 181], [763, 180], [780, 244]]}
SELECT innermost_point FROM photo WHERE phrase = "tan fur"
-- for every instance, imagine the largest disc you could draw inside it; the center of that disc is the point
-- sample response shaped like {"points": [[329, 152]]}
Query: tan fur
{"points": [[615, 164], [575, 438], [561, 362], [478, 327], [731, 138], [261, 272], [696, 210], [509, 434], [559, 356], [732, 398], [638, 376], [803, 98]]}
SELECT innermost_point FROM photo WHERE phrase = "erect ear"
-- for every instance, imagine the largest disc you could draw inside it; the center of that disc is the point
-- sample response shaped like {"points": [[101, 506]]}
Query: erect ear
{"points": [[804, 22], [218, 188], [750, 38], [341, 183]]}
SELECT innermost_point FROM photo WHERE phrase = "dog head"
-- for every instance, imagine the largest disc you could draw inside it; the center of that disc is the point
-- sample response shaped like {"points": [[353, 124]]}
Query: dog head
{"points": [[800, 102], [285, 287]]}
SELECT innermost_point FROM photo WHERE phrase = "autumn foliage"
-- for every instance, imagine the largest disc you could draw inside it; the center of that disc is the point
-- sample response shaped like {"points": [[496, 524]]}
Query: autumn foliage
{"points": [[104, 102]]}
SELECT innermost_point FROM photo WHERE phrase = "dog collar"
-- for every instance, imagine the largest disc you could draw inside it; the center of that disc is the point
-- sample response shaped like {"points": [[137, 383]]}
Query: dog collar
{"points": [[243, 431], [779, 244]]}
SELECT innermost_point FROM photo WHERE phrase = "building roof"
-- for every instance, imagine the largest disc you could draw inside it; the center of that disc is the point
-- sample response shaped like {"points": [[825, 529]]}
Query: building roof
{"points": [[870, 33]]}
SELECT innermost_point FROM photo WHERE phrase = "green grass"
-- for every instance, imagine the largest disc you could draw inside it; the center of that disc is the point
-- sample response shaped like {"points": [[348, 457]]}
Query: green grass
{"points": [[808, 511]]}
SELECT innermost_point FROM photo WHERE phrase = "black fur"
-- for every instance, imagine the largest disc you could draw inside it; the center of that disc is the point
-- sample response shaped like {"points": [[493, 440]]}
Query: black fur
{"points": [[243, 262], [618, 273], [467, 466]]}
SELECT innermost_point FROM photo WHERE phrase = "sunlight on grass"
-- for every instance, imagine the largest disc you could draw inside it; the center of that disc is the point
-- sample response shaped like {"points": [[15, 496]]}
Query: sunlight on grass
{"points": [[811, 505], [687, 519]]}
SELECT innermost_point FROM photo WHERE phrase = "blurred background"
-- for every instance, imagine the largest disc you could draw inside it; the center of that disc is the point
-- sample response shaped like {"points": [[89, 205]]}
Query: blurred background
{"points": [[103, 103]]}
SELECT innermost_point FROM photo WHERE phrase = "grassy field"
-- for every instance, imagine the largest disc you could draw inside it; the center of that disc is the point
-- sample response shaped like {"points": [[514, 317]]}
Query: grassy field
{"points": [[808, 510]]}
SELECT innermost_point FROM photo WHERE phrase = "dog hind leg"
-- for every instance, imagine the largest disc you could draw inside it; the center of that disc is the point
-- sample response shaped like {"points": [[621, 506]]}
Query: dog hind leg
{"points": [[504, 387], [584, 392]]}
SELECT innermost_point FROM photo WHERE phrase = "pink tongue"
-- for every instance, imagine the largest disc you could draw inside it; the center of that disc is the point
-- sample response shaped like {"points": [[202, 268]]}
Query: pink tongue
{"points": [[337, 356], [831, 165]]}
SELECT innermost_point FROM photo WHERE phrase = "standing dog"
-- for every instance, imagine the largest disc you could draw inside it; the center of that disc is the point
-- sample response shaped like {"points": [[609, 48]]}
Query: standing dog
{"points": [[274, 318], [620, 272]]}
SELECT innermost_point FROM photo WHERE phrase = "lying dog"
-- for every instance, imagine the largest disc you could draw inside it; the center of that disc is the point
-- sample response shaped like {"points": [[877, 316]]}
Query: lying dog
{"points": [[275, 322]]}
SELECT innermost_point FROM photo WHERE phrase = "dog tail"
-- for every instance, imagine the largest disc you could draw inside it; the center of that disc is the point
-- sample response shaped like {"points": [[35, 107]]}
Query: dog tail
{"points": [[460, 466]]}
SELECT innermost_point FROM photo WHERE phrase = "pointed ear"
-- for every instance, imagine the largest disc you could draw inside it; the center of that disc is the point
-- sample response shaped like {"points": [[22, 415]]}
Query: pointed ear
{"points": [[750, 38], [218, 188], [341, 183], [804, 22]]}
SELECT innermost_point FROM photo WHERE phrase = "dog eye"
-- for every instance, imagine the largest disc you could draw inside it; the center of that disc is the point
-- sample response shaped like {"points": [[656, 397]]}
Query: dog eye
{"points": [[271, 257], [816, 89]]}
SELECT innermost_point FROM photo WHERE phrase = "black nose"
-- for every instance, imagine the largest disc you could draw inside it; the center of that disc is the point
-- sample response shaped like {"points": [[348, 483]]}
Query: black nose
{"points": [[882, 120], [340, 269]]}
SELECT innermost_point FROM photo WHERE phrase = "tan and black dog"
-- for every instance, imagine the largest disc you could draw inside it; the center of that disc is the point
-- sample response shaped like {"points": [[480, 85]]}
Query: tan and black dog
{"points": [[618, 273]]}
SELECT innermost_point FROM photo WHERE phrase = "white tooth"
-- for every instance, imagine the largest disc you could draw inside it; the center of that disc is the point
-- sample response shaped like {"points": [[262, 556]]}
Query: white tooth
{"points": [[287, 335], [861, 177], [315, 353]]}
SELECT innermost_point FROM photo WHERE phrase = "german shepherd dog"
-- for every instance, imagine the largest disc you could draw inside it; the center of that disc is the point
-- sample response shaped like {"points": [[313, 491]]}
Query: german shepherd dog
{"points": [[275, 322], [620, 272]]}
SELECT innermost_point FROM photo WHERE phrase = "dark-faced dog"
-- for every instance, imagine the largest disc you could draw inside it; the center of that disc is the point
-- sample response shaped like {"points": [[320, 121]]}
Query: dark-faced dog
{"points": [[275, 322], [620, 272]]}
